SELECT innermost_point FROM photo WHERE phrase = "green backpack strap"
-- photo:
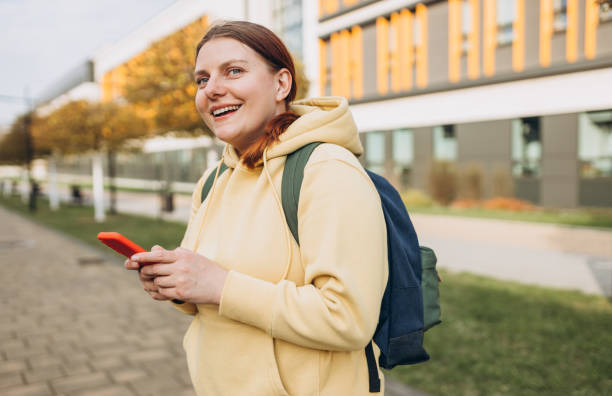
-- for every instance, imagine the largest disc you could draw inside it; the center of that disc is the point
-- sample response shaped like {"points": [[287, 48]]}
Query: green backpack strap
{"points": [[293, 174], [210, 180]]}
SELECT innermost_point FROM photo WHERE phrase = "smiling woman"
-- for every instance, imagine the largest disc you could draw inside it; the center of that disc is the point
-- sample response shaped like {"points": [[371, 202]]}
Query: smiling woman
{"points": [[243, 63], [274, 316]]}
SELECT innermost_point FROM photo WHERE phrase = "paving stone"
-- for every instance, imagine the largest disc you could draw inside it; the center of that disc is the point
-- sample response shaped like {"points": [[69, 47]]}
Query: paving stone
{"points": [[127, 375], [12, 366], [10, 379], [107, 362], [79, 382], [28, 390], [23, 353], [44, 361], [148, 355], [76, 368], [43, 374], [113, 390], [154, 386]]}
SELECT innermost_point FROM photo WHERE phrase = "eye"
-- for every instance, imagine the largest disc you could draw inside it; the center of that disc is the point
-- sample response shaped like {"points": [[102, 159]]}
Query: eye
{"points": [[234, 71], [201, 81]]}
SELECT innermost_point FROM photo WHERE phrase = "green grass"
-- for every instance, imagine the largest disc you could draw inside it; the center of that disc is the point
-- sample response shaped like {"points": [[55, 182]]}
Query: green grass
{"points": [[497, 338], [79, 222], [503, 338], [573, 217]]}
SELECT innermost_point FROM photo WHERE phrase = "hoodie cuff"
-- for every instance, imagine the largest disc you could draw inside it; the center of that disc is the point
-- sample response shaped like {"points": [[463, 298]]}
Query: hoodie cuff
{"points": [[186, 308], [248, 300]]}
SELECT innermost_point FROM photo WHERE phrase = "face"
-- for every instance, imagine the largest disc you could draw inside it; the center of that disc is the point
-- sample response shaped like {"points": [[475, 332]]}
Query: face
{"points": [[238, 93]]}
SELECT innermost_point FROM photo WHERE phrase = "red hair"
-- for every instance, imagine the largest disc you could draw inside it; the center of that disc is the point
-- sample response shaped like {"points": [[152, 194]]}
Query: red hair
{"points": [[267, 44]]}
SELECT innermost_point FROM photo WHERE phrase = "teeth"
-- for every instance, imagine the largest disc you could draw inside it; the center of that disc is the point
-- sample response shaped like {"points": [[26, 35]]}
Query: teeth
{"points": [[224, 109]]}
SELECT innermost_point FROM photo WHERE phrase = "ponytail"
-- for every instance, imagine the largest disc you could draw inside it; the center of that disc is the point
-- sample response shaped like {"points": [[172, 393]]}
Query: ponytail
{"points": [[275, 127]]}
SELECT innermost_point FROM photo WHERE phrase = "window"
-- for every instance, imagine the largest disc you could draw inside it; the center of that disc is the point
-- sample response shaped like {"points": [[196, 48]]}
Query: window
{"points": [[506, 14], [375, 151], [444, 143], [595, 143], [605, 11], [466, 25], [403, 155], [560, 15], [288, 23], [526, 147]]}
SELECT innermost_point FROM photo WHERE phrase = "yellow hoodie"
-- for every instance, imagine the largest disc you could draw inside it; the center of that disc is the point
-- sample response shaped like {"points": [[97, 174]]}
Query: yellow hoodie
{"points": [[293, 320]]}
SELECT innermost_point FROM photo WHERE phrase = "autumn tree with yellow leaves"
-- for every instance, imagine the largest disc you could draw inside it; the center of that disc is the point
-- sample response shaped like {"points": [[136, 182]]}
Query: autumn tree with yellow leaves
{"points": [[81, 126]]}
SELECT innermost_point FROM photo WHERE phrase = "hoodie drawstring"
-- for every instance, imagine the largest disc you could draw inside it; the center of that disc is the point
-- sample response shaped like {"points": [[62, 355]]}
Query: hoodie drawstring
{"points": [[282, 212], [210, 197]]}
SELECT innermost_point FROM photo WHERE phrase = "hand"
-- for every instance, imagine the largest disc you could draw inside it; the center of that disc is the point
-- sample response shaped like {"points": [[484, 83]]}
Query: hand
{"points": [[147, 280], [182, 274]]}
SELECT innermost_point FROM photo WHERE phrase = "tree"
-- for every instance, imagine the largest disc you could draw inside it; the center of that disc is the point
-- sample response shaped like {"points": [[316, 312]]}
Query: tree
{"points": [[81, 126], [18, 147], [161, 79]]}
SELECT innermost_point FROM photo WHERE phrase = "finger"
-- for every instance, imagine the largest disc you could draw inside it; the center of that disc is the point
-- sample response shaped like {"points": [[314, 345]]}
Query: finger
{"points": [[170, 293], [145, 277], [157, 256], [159, 296], [154, 270], [149, 286], [164, 282], [156, 248], [131, 265]]}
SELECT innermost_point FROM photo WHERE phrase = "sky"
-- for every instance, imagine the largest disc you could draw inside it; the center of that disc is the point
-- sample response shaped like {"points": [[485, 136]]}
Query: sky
{"points": [[42, 40]]}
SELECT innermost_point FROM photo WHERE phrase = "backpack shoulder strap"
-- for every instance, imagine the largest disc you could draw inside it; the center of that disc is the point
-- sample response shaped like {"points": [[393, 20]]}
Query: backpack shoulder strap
{"points": [[293, 174], [210, 180]]}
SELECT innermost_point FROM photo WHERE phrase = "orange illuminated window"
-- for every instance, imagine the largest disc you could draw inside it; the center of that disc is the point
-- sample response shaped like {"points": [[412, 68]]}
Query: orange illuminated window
{"points": [[382, 55], [490, 37]]}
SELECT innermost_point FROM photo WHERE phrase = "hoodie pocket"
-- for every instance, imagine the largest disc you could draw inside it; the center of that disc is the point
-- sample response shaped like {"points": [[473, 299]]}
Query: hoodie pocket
{"points": [[226, 357]]}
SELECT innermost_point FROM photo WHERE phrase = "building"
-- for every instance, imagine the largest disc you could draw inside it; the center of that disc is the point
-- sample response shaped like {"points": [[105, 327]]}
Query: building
{"points": [[516, 91]]}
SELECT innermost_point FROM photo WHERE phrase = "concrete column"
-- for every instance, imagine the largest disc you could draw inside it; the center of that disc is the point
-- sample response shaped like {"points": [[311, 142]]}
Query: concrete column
{"points": [[98, 187]]}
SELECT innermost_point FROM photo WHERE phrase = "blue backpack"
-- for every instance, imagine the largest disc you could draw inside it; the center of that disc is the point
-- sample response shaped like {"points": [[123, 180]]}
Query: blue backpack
{"points": [[410, 304]]}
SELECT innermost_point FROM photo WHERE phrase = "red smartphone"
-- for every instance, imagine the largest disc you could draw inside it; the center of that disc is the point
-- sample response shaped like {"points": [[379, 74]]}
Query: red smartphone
{"points": [[119, 243]]}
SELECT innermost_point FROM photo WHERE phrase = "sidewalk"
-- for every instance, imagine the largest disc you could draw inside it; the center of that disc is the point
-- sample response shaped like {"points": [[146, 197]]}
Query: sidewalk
{"points": [[75, 323]]}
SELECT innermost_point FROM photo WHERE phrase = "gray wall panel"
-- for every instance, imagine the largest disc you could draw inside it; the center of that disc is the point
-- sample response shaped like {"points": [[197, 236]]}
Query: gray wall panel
{"points": [[423, 157], [503, 59], [369, 60], [604, 39], [527, 189], [596, 192], [557, 48], [559, 160], [532, 34], [487, 146], [438, 44]]}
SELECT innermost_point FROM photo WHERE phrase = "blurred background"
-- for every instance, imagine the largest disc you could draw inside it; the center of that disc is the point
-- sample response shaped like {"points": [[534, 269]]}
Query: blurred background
{"points": [[493, 118]]}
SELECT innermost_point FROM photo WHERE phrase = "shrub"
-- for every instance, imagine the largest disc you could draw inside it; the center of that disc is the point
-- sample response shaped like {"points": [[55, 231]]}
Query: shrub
{"points": [[416, 198], [470, 182], [508, 204], [443, 182]]}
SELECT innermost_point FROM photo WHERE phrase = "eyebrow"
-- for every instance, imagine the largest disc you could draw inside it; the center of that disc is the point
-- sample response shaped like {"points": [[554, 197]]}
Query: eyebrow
{"points": [[222, 66]]}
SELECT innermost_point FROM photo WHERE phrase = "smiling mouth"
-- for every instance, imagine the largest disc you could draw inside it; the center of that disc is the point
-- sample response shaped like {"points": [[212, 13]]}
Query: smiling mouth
{"points": [[225, 111]]}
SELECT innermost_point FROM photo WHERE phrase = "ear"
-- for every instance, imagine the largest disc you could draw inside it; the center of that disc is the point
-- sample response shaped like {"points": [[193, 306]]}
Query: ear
{"points": [[283, 84]]}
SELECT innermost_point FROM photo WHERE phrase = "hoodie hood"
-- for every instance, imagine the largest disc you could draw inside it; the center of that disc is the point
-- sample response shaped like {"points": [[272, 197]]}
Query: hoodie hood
{"points": [[324, 119]]}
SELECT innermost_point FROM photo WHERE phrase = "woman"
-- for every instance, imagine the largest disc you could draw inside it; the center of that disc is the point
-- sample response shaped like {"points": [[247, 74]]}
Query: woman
{"points": [[273, 317]]}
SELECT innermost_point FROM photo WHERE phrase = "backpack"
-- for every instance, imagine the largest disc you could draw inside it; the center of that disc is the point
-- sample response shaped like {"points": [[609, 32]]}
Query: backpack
{"points": [[411, 301]]}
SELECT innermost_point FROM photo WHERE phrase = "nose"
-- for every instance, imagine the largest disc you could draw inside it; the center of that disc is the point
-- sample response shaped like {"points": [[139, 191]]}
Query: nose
{"points": [[214, 87]]}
